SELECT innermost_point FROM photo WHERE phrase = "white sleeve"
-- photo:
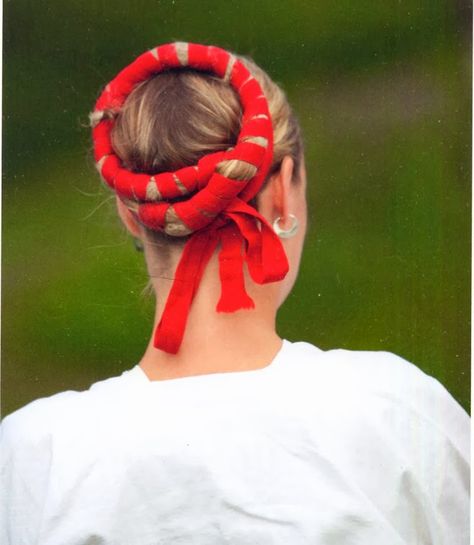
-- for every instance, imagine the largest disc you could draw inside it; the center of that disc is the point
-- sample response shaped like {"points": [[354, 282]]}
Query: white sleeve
{"points": [[452, 468], [417, 437], [25, 460], [436, 439]]}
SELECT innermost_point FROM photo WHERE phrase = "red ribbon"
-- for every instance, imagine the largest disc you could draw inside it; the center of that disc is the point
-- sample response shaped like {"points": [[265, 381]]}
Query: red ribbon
{"points": [[241, 240], [216, 209]]}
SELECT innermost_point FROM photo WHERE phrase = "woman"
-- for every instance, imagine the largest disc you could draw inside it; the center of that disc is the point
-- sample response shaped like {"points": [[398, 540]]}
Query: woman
{"points": [[224, 432]]}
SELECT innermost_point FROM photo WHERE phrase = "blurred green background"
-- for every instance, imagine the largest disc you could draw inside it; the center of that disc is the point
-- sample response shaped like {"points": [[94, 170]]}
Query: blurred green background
{"points": [[383, 92]]}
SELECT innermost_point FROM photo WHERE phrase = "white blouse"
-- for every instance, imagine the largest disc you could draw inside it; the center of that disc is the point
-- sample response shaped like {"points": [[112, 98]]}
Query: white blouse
{"points": [[319, 447]]}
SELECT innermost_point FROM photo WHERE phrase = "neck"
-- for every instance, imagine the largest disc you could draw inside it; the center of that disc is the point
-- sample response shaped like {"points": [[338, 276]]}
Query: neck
{"points": [[216, 341]]}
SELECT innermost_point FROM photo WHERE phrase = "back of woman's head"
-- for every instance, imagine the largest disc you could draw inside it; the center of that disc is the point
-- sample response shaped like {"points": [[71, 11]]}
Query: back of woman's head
{"points": [[176, 117], [187, 135]]}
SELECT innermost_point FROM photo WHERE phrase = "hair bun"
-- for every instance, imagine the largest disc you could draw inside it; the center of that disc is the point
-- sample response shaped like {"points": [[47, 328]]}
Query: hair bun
{"points": [[210, 192]]}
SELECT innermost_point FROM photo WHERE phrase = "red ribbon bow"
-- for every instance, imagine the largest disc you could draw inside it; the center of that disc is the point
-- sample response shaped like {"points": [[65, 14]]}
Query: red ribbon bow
{"points": [[262, 250]]}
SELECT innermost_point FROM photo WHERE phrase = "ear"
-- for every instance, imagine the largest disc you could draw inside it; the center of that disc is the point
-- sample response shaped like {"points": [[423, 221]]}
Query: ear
{"points": [[128, 219], [275, 199]]}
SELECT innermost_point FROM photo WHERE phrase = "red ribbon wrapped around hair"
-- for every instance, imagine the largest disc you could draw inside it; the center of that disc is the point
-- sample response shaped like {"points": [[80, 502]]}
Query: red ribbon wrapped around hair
{"points": [[217, 209]]}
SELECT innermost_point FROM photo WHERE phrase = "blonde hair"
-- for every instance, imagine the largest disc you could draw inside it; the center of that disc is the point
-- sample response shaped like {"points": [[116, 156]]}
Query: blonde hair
{"points": [[176, 117]]}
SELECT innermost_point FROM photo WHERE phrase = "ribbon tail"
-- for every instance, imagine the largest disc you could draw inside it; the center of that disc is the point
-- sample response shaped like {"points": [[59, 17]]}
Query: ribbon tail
{"points": [[196, 254], [231, 261], [265, 255], [274, 262]]}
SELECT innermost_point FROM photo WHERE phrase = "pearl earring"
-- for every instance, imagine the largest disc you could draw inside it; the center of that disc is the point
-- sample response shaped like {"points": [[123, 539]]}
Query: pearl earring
{"points": [[286, 233]]}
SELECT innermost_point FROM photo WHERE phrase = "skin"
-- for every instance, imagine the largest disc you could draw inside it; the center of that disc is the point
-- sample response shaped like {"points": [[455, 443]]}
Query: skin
{"points": [[247, 339]]}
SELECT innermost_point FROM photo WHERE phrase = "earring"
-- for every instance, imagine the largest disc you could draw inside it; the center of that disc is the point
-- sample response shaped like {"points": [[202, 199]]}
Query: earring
{"points": [[286, 233], [138, 244]]}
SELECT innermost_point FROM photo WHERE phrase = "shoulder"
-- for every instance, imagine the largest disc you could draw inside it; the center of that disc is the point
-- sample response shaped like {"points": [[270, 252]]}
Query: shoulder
{"points": [[370, 370], [383, 419], [385, 386], [356, 363], [36, 422]]}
